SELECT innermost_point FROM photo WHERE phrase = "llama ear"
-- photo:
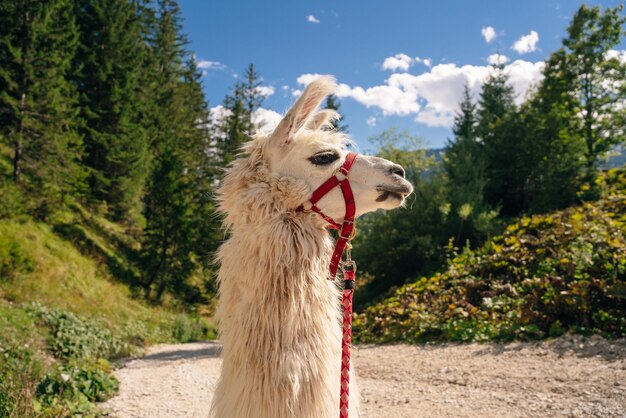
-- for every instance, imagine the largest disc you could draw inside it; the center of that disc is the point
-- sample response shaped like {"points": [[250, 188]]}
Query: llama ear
{"points": [[323, 119], [303, 109]]}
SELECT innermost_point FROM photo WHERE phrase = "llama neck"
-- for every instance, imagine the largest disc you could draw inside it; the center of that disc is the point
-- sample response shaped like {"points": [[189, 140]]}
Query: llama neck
{"points": [[290, 248], [279, 319]]}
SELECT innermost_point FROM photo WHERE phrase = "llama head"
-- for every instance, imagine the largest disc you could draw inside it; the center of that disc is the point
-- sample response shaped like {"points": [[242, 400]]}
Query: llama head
{"points": [[300, 147]]}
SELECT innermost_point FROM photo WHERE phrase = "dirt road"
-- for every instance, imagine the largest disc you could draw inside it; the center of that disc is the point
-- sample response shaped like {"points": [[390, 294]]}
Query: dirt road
{"points": [[568, 377]]}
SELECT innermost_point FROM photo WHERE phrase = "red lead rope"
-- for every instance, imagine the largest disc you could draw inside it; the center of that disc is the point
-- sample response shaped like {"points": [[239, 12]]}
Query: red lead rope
{"points": [[346, 231], [349, 274]]}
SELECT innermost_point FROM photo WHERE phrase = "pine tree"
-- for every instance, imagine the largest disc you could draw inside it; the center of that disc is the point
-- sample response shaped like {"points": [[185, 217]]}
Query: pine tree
{"points": [[240, 106], [38, 42], [202, 171], [465, 121], [235, 125], [552, 146], [600, 80], [166, 246], [180, 227], [332, 102], [108, 69], [495, 130], [497, 100], [464, 164], [252, 97]]}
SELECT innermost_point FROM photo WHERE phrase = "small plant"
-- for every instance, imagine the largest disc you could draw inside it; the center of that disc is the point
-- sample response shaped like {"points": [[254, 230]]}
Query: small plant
{"points": [[71, 389], [75, 337]]}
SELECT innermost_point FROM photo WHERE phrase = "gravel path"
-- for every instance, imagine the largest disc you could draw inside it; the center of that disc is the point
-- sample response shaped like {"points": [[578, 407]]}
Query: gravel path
{"points": [[568, 377]]}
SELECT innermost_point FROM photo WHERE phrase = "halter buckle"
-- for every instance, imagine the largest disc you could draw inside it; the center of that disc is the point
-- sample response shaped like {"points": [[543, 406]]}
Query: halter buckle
{"points": [[352, 234]]}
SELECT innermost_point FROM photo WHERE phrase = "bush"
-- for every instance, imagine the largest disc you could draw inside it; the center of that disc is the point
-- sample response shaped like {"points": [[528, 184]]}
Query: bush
{"points": [[82, 375], [13, 260], [543, 276], [76, 337], [187, 330], [71, 389]]}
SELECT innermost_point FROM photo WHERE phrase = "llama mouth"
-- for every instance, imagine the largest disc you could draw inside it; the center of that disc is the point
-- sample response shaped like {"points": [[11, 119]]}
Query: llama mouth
{"points": [[396, 191], [386, 194]]}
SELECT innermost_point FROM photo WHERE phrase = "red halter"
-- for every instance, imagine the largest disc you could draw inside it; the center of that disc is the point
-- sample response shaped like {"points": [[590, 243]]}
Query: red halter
{"points": [[347, 231]]}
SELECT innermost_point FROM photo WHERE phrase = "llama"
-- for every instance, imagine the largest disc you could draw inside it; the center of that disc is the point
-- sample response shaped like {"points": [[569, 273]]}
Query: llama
{"points": [[278, 312]]}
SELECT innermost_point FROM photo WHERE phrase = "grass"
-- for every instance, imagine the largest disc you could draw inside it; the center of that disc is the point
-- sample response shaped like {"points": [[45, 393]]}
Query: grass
{"points": [[64, 311]]}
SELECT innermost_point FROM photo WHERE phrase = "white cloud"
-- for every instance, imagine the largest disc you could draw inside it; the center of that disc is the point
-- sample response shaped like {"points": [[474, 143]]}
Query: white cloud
{"points": [[371, 121], [397, 62], [426, 61], [391, 98], [312, 19], [489, 33], [620, 55], [527, 43], [441, 89], [266, 120], [296, 92], [219, 113], [210, 65], [432, 97], [397, 97], [432, 117], [497, 59], [265, 91], [523, 75]]}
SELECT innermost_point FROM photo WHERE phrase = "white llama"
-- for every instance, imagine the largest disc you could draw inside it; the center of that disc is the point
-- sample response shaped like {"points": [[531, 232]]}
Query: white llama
{"points": [[279, 314]]}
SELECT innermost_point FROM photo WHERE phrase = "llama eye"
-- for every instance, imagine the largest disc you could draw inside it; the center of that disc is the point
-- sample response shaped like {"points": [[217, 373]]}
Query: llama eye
{"points": [[324, 158]]}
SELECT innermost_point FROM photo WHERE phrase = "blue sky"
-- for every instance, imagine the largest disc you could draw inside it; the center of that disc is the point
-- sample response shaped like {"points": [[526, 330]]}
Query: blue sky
{"points": [[399, 63]]}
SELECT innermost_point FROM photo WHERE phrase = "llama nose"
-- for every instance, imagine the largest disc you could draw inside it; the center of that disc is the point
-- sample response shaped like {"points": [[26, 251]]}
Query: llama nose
{"points": [[396, 169]]}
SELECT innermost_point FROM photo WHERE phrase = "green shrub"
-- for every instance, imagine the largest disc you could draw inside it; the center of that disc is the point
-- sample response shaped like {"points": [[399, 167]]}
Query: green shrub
{"points": [[13, 260], [76, 337], [135, 333], [186, 329], [71, 389], [543, 276]]}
